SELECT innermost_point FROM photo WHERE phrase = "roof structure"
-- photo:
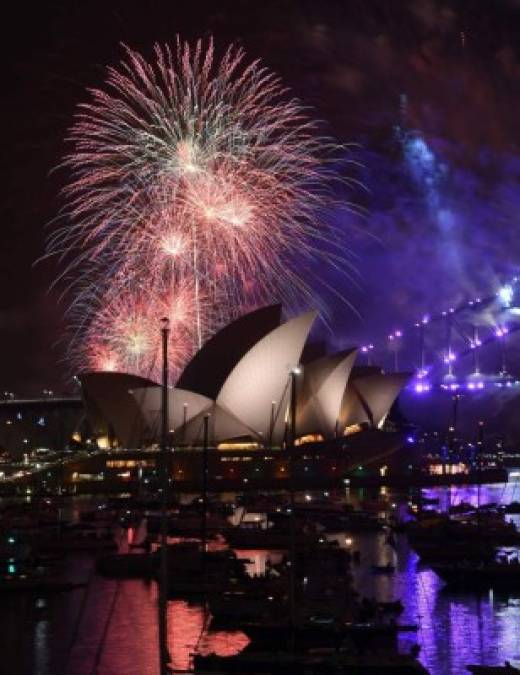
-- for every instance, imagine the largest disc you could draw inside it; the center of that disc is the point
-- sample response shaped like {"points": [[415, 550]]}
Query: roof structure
{"points": [[262, 376], [111, 408], [247, 368], [369, 399], [321, 393], [222, 426], [210, 366], [183, 406]]}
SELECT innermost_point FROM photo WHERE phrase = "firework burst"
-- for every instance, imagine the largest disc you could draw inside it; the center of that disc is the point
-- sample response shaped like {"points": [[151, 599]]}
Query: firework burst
{"points": [[123, 333], [189, 169]]}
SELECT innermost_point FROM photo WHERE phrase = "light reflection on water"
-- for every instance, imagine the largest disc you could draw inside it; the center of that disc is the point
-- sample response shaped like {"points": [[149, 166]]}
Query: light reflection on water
{"points": [[454, 629], [65, 635]]}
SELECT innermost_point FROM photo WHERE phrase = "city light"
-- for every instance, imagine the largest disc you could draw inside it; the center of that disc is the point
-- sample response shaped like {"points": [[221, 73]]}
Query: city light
{"points": [[505, 295], [422, 387]]}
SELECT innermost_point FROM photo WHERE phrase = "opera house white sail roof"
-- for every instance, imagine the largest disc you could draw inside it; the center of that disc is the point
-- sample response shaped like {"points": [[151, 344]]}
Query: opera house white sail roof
{"points": [[183, 406], [321, 393], [112, 410], [368, 399], [261, 377], [246, 396]]}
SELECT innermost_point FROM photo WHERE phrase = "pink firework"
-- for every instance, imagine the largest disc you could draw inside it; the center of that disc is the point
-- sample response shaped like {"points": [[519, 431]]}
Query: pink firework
{"points": [[124, 333], [190, 169]]}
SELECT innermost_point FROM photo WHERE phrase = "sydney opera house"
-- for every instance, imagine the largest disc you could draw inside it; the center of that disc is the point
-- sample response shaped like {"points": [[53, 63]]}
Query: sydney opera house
{"points": [[241, 382], [236, 398]]}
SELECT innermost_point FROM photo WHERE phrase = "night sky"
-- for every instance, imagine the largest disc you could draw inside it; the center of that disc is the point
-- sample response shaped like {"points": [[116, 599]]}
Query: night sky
{"points": [[427, 90]]}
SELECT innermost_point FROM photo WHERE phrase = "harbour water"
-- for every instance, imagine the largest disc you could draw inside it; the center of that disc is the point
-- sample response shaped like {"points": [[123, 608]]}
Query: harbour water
{"points": [[109, 627]]}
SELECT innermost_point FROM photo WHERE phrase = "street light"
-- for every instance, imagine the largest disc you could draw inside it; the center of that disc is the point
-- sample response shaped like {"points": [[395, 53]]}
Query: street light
{"points": [[292, 579], [367, 349], [297, 370], [394, 340], [162, 604]]}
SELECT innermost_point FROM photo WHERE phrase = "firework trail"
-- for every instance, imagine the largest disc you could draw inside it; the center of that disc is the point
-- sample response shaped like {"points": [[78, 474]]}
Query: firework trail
{"points": [[190, 168]]}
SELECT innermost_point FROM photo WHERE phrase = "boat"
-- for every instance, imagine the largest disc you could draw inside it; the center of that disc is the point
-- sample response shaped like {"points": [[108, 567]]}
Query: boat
{"points": [[37, 583], [506, 669], [475, 539], [383, 569], [375, 505], [392, 607], [245, 605], [271, 539], [21, 569], [436, 551], [100, 515], [498, 574], [326, 631], [428, 500], [186, 564], [490, 528], [353, 521], [187, 524], [461, 507], [80, 537], [486, 527], [317, 662]]}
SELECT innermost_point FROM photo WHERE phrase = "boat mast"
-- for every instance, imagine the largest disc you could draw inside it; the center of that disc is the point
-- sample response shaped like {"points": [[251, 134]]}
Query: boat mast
{"points": [[205, 484], [480, 439], [162, 605], [292, 569]]}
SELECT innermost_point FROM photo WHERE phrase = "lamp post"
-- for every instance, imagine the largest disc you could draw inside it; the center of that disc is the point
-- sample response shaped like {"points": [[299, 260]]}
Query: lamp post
{"points": [[422, 330], [294, 373], [367, 349], [164, 657], [394, 344]]}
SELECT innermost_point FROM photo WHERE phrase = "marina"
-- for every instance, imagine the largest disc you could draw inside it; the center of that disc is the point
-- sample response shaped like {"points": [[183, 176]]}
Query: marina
{"points": [[71, 629]]}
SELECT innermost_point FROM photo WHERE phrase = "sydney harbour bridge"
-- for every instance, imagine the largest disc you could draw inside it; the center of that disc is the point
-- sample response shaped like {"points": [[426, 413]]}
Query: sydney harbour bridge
{"points": [[464, 361], [466, 347]]}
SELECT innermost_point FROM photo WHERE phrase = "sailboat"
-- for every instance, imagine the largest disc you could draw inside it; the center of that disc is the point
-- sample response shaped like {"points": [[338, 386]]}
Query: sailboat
{"points": [[502, 571]]}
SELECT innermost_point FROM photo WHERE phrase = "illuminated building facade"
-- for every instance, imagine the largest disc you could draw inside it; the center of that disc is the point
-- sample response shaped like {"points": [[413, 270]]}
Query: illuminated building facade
{"points": [[241, 382]]}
